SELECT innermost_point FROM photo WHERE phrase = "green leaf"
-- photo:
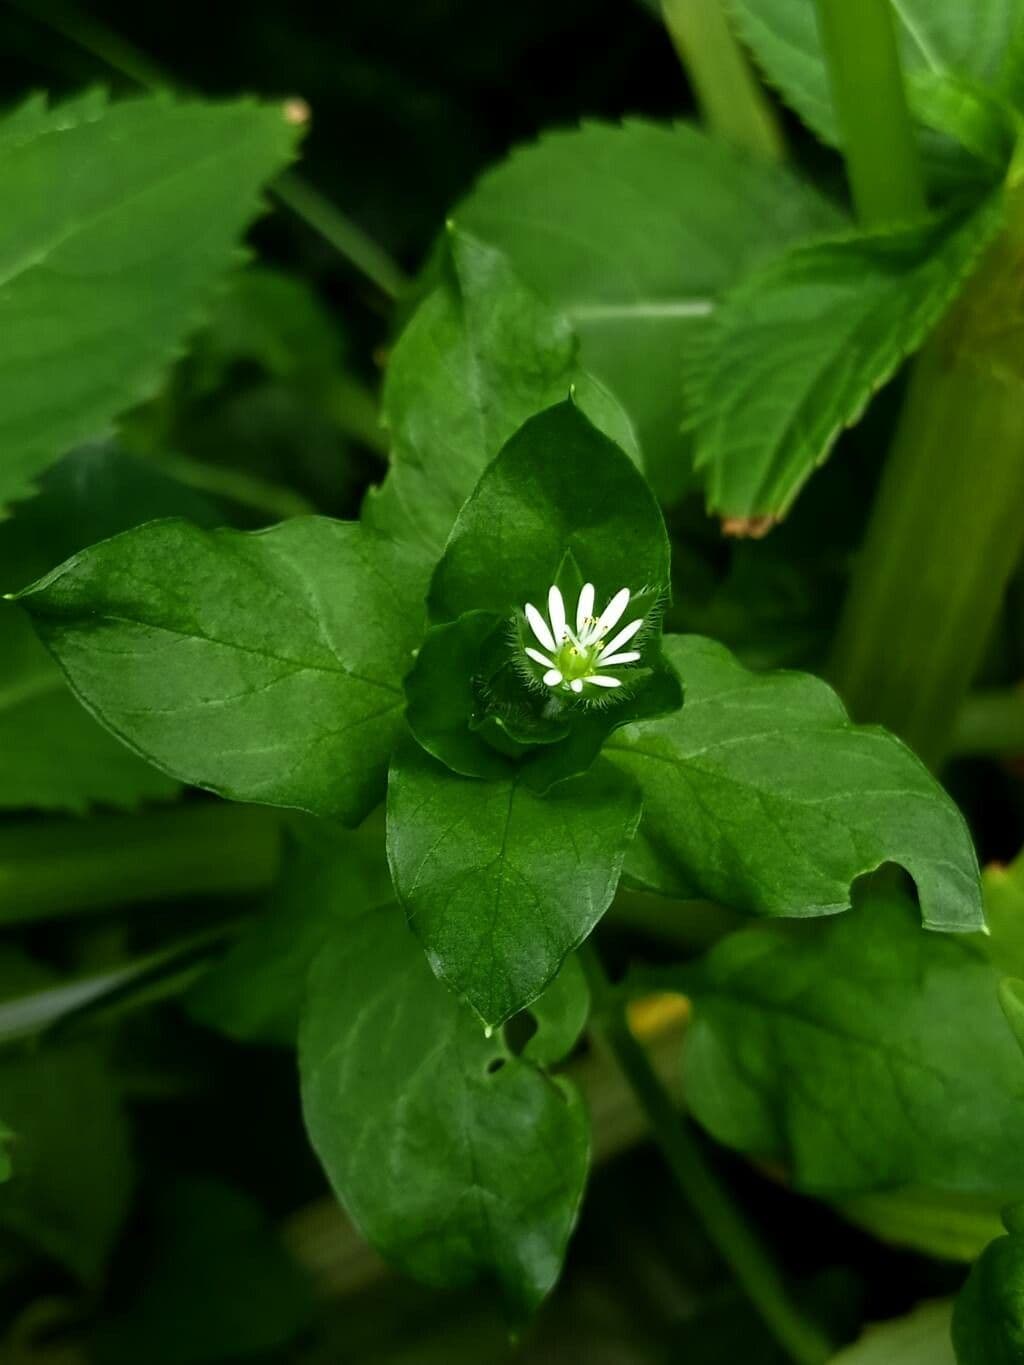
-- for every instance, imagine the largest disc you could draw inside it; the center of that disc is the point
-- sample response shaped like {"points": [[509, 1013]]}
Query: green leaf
{"points": [[794, 353], [55, 756], [255, 993], [68, 1142], [266, 667], [633, 232], [919, 1338], [481, 354], [476, 697], [499, 883], [988, 1316], [762, 794], [457, 1160], [219, 1285], [6, 1167], [860, 1051], [1011, 997], [981, 41], [117, 229], [560, 1015]]}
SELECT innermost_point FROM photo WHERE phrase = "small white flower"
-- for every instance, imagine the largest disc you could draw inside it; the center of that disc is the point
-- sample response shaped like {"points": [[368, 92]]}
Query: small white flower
{"points": [[577, 657]]}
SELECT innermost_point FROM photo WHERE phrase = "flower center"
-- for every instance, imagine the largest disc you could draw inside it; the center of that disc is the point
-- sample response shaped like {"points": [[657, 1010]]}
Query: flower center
{"points": [[578, 660]]}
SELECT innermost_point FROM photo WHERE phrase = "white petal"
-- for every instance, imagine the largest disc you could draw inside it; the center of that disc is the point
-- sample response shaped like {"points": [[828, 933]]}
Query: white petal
{"points": [[599, 680], [630, 657], [539, 626], [576, 685], [621, 638], [556, 611], [539, 658], [552, 677], [612, 612], [585, 606]]}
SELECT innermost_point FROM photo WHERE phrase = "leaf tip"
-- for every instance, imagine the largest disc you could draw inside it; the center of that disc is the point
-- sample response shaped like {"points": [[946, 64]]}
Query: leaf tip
{"points": [[750, 528]]}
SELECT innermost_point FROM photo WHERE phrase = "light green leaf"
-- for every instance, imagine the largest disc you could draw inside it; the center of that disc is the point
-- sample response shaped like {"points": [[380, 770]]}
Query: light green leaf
{"points": [[457, 1160], [219, 1286], [560, 1015], [944, 1224], [988, 1316], [633, 232], [266, 667], [501, 884], [481, 354], [1011, 997], [794, 353], [981, 41], [762, 794], [860, 1051], [255, 993], [920, 1338], [117, 228]]}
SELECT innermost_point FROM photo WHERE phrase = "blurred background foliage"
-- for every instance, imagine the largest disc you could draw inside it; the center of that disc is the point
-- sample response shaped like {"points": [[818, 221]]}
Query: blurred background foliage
{"points": [[179, 1217]]}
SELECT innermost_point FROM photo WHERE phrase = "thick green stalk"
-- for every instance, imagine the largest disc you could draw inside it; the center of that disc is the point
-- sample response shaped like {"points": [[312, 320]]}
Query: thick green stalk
{"points": [[64, 867], [948, 522], [731, 100], [882, 162], [732, 1235]]}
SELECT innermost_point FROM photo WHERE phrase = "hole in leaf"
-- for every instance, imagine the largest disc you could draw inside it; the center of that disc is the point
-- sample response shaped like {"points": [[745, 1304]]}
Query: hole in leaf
{"points": [[495, 1064], [518, 1031]]}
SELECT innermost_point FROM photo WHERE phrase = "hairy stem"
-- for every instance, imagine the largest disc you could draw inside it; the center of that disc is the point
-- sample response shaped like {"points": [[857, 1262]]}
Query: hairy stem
{"points": [[882, 161], [732, 1235], [946, 530], [732, 102]]}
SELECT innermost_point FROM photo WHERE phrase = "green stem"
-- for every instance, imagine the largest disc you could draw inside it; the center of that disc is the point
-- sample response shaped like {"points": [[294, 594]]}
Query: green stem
{"points": [[236, 485], [65, 867], [731, 100], [725, 1225], [882, 161], [307, 203], [946, 529], [990, 722]]}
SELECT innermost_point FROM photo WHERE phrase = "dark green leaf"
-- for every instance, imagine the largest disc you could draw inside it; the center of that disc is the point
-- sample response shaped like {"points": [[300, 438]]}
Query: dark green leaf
{"points": [[266, 667], [861, 1051], [633, 232], [120, 221], [558, 488], [795, 352], [68, 1143], [761, 794], [560, 1015], [255, 993], [220, 1285], [481, 354], [55, 756], [458, 1161], [988, 1317], [500, 884]]}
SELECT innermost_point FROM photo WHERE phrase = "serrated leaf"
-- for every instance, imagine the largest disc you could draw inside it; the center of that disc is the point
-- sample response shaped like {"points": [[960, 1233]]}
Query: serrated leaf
{"points": [[457, 1160], [860, 1051], [793, 354], [762, 794], [263, 666], [988, 1315], [633, 231], [501, 884], [118, 226], [481, 354], [983, 41]]}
